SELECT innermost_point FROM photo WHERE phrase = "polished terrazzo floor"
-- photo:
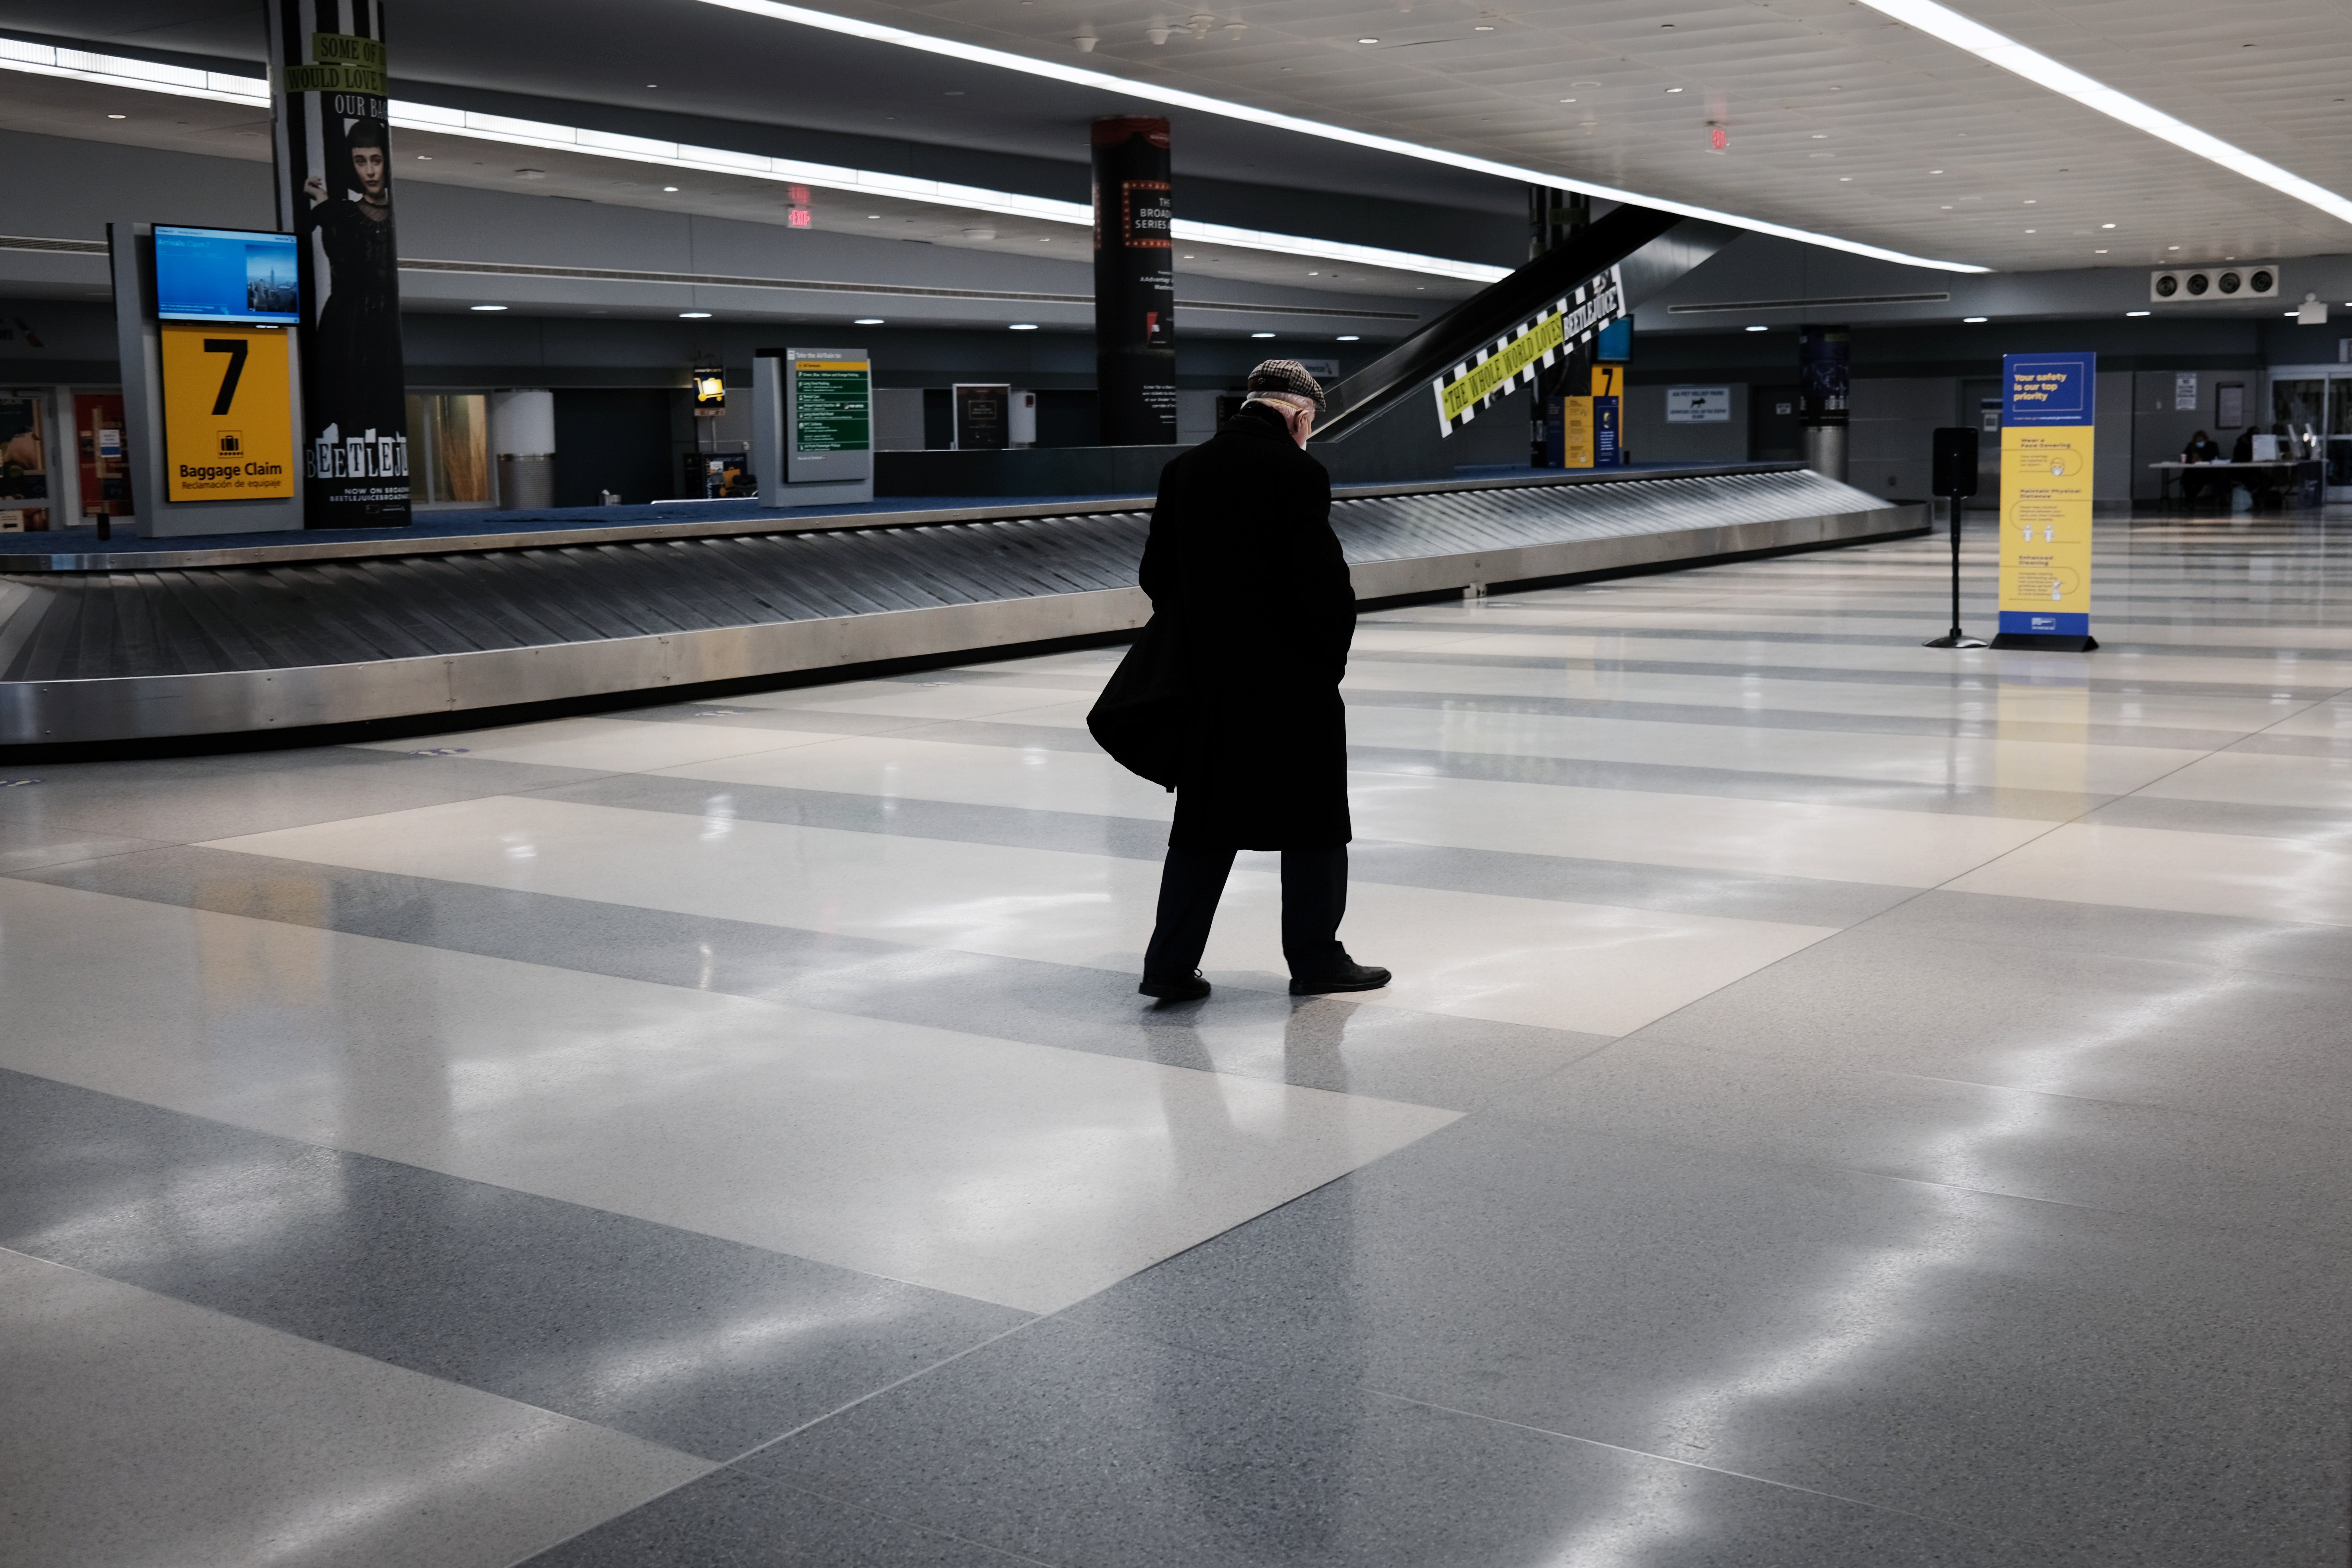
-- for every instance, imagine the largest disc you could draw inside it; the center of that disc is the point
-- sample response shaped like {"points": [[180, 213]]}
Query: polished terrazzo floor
{"points": [[1842, 1104]]}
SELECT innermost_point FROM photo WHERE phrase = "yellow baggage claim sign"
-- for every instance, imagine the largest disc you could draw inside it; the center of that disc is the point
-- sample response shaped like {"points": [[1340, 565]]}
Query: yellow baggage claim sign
{"points": [[2046, 425], [228, 413]]}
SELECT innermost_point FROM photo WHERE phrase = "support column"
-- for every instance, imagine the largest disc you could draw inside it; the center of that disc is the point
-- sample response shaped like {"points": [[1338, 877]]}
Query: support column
{"points": [[1825, 381], [335, 190], [1135, 283], [522, 435]]}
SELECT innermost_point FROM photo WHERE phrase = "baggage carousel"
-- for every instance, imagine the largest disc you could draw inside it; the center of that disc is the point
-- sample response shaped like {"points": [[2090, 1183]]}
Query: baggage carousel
{"points": [[168, 639]]}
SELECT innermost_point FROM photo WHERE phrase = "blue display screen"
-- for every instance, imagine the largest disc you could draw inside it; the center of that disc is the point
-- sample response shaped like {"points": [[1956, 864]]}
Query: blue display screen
{"points": [[225, 275]]}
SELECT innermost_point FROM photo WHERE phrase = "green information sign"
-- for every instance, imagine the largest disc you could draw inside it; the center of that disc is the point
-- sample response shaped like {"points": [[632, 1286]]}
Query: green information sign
{"points": [[832, 406]]}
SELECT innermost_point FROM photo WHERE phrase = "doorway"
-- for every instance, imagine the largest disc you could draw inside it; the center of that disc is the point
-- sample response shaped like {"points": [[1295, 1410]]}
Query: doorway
{"points": [[1776, 426], [616, 439]]}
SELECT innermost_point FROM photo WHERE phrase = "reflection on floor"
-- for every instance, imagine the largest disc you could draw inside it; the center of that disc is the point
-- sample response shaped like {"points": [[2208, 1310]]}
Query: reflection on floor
{"points": [[1842, 1104]]}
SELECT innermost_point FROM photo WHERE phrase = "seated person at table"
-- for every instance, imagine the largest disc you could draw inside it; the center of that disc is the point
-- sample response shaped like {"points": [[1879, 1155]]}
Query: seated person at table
{"points": [[2201, 448]]}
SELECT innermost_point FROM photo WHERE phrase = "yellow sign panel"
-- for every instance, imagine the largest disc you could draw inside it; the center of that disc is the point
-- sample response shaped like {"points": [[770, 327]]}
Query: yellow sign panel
{"points": [[1608, 381], [228, 413], [832, 365], [1489, 376], [2045, 529]]}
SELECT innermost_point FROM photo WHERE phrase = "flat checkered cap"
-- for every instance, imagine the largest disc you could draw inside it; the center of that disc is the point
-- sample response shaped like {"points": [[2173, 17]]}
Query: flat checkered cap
{"points": [[1288, 375]]}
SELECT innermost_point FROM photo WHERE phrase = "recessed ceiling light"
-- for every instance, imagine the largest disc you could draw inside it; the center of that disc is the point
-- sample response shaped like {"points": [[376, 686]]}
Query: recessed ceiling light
{"points": [[866, 321], [1757, 329], [1568, 100], [2098, 253], [1025, 326], [870, 216], [670, 188], [118, 117], [2107, 225], [2134, 313], [2172, 247], [1974, 320], [1482, 27], [1820, 135], [2033, 231], [694, 315], [1368, 40], [1349, 338], [1845, 179], [486, 307], [1673, 90], [1934, 171], [1188, 257], [1270, 334], [425, 157]]}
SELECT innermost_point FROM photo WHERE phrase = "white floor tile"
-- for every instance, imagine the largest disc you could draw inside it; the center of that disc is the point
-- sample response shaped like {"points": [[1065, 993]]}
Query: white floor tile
{"points": [[2155, 869], [612, 745], [1023, 1175]]}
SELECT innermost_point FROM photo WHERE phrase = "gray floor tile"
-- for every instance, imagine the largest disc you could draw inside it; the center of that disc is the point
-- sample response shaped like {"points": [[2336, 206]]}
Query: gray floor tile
{"points": [[1802, 900], [2220, 942], [2184, 815], [141, 1432], [702, 1345], [1314, 1043], [1624, 884], [1082, 1447], [2136, 1159], [181, 800], [729, 1519], [1133, 838], [2029, 1013], [2138, 1390]]}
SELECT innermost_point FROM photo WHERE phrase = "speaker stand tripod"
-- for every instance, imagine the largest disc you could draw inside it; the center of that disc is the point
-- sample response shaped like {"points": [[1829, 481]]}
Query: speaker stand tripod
{"points": [[1955, 638]]}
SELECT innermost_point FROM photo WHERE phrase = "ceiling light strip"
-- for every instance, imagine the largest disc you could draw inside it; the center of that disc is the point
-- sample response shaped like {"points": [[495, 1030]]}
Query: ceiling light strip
{"points": [[1942, 22], [114, 70], [971, 54]]}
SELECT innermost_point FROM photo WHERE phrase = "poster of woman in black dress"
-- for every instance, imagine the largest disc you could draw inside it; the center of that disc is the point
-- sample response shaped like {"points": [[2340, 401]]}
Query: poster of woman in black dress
{"points": [[336, 190], [358, 346]]}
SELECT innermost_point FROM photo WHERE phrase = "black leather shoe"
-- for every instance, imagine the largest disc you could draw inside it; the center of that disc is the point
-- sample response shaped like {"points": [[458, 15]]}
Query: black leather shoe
{"points": [[1175, 987], [1348, 976]]}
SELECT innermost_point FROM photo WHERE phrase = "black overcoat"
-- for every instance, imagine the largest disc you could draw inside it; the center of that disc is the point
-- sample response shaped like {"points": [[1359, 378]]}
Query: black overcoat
{"points": [[1243, 561]]}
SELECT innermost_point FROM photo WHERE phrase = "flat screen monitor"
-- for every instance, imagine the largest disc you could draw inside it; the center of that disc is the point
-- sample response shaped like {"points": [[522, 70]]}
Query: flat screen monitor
{"points": [[225, 275]]}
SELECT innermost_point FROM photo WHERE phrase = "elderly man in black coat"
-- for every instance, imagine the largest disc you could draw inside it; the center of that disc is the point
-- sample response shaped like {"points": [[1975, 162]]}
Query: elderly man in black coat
{"points": [[1243, 561]]}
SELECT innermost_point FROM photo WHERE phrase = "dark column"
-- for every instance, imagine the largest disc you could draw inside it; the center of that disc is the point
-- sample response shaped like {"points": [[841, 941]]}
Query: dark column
{"points": [[1135, 283], [1555, 217], [1826, 378], [335, 190]]}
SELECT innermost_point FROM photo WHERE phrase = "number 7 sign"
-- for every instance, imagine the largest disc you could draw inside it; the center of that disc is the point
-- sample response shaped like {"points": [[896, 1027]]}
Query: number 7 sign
{"points": [[228, 413]]}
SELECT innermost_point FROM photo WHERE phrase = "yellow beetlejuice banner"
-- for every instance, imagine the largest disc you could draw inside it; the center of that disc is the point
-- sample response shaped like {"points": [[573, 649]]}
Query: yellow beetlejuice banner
{"points": [[2047, 418]]}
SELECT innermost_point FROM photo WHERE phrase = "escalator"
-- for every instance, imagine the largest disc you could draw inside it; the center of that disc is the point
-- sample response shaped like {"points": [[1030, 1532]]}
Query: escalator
{"points": [[1393, 419]]}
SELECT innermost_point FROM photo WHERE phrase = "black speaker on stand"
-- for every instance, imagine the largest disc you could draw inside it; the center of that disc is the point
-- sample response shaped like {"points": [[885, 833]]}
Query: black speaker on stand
{"points": [[1955, 480]]}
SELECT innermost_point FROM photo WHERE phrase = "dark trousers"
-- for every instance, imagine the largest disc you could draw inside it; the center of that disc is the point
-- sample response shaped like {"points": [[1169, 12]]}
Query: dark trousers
{"points": [[1314, 897]]}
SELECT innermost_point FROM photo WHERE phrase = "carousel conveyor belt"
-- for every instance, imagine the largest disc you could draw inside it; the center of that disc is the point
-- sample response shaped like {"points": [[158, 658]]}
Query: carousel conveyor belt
{"points": [[129, 654]]}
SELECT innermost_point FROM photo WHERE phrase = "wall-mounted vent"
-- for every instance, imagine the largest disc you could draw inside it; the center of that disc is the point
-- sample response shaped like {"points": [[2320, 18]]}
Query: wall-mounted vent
{"points": [[2178, 285]]}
